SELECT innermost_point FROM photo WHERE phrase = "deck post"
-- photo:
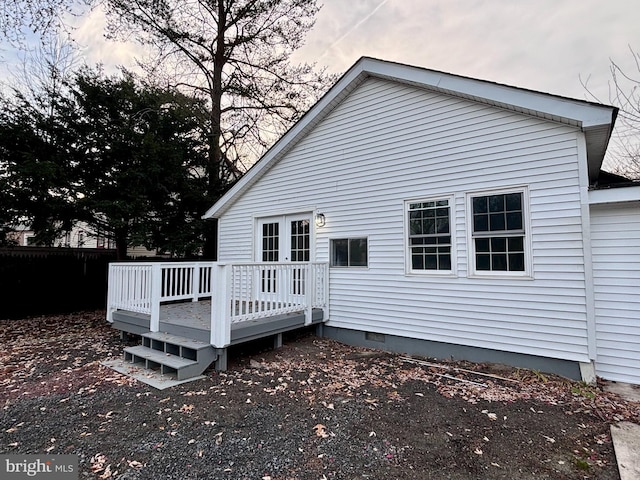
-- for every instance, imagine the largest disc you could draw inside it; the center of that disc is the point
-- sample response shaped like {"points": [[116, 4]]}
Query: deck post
{"points": [[156, 292], [220, 310], [111, 294], [325, 289], [310, 293], [195, 282]]}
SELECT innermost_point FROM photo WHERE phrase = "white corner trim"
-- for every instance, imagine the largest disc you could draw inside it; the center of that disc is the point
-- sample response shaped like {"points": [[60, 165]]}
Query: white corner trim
{"points": [[588, 372], [590, 303]]}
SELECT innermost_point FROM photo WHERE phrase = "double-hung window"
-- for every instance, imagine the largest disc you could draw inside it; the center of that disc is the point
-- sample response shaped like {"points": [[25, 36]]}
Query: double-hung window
{"points": [[498, 232], [429, 235]]}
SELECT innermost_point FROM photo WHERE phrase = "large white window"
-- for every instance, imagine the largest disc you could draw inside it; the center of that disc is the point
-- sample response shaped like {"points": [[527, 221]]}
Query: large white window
{"points": [[429, 235], [499, 243]]}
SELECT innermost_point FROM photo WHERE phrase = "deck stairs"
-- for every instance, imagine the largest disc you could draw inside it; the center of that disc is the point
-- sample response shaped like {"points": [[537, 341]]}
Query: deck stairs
{"points": [[177, 357]]}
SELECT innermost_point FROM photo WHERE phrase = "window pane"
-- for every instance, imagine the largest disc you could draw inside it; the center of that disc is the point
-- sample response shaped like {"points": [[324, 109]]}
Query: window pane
{"points": [[442, 225], [431, 262], [496, 203], [442, 212], [482, 244], [496, 222], [358, 252], [516, 244], [445, 262], [481, 223], [480, 205], [417, 262], [483, 261], [499, 262], [428, 226], [514, 201], [498, 244], [514, 221], [516, 262], [340, 253]]}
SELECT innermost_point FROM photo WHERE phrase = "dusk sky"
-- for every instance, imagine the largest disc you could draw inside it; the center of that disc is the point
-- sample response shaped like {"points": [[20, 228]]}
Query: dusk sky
{"points": [[545, 45]]}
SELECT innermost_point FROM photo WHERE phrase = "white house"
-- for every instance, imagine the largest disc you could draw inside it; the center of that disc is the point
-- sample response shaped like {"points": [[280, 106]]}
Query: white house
{"points": [[457, 221]]}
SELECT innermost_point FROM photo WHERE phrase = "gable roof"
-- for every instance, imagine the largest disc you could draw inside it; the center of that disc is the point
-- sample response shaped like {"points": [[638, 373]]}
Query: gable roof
{"points": [[595, 120]]}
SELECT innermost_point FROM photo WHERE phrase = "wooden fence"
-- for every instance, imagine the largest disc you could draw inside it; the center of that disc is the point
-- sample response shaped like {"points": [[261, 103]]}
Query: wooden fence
{"points": [[43, 281]]}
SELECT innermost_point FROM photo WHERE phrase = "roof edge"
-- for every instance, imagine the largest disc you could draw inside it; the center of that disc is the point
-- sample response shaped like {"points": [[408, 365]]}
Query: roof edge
{"points": [[587, 115]]}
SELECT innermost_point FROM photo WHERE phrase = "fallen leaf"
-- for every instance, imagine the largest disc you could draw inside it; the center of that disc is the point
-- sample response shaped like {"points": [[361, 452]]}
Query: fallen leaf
{"points": [[321, 430]]}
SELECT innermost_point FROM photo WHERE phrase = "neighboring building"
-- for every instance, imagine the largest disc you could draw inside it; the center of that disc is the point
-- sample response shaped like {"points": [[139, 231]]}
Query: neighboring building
{"points": [[459, 220], [80, 236]]}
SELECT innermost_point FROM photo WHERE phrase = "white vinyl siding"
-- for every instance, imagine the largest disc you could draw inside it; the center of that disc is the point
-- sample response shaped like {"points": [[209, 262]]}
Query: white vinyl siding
{"points": [[387, 143], [615, 236]]}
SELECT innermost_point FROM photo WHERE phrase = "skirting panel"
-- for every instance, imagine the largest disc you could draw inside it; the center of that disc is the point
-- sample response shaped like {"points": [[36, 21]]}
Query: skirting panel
{"points": [[449, 351]]}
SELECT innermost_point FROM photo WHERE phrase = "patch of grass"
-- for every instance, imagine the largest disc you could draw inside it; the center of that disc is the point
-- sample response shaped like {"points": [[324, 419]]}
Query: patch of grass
{"points": [[540, 376], [583, 390], [581, 464]]}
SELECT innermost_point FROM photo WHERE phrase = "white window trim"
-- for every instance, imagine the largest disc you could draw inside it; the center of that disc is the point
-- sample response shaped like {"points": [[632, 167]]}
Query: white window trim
{"points": [[527, 274], [348, 267], [452, 231]]}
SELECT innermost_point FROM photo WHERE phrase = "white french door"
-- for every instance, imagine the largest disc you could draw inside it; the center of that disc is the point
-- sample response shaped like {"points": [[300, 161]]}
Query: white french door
{"points": [[283, 238]]}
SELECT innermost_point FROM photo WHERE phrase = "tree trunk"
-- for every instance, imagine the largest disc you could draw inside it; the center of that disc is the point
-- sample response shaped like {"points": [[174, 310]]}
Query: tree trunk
{"points": [[215, 171], [121, 245]]}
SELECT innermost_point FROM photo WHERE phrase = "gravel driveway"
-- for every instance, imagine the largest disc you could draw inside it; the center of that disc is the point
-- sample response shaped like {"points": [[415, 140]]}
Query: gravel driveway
{"points": [[314, 409]]}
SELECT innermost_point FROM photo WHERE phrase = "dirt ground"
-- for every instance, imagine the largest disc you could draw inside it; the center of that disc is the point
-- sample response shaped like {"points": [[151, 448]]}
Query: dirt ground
{"points": [[314, 409]]}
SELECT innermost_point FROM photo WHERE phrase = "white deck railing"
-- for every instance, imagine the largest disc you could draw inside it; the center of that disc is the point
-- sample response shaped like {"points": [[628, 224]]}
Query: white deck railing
{"points": [[238, 292]]}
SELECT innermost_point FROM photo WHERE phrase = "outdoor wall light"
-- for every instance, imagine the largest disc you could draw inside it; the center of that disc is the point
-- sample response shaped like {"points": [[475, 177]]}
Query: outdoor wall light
{"points": [[320, 221]]}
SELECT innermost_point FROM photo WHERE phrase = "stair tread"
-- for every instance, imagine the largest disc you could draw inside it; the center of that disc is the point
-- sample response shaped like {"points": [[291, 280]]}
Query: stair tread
{"points": [[157, 356], [176, 340]]}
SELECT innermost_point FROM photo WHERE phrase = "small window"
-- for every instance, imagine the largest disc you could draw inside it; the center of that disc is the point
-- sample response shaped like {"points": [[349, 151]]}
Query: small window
{"points": [[429, 235], [349, 252], [498, 232]]}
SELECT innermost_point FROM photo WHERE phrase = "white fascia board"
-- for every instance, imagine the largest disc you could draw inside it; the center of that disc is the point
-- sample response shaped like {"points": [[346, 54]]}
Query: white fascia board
{"points": [[614, 195]]}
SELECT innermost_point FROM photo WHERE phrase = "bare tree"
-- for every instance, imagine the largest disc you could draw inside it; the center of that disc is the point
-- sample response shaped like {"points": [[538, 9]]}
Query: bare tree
{"points": [[236, 55], [18, 18], [624, 93], [46, 69]]}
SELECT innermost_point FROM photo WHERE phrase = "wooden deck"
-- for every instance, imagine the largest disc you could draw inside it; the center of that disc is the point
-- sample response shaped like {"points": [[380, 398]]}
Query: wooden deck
{"points": [[192, 320]]}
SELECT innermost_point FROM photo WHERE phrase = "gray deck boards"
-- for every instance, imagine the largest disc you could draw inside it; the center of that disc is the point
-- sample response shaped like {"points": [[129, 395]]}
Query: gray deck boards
{"points": [[192, 320]]}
